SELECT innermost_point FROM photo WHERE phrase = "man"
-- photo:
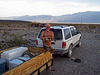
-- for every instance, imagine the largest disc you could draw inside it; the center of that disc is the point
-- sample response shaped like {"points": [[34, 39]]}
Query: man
{"points": [[47, 36]]}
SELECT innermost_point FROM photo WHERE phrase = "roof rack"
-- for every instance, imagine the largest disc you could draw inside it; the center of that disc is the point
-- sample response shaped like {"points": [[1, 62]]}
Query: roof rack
{"points": [[62, 26], [57, 27]]}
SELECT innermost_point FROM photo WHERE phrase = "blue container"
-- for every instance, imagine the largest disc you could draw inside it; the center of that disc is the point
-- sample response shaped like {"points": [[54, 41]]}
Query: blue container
{"points": [[2, 65], [24, 45]]}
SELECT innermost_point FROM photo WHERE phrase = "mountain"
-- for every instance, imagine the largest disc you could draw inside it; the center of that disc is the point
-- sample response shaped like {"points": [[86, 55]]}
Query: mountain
{"points": [[81, 17], [84, 17], [40, 18]]}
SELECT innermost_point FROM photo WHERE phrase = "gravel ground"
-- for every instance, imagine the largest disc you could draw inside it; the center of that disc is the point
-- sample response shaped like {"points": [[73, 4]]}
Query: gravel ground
{"points": [[88, 53]]}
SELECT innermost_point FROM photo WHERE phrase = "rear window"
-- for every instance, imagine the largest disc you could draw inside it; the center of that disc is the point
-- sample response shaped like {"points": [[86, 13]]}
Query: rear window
{"points": [[57, 33]]}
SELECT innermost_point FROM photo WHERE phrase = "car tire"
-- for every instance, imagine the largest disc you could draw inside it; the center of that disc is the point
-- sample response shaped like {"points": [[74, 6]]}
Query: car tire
{"points": [[69, 53], [29, 54], [79, 44]]}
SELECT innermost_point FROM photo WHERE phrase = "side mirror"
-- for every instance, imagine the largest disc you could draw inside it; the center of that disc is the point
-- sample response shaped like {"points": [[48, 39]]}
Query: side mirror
{"points": [[78, 32]]}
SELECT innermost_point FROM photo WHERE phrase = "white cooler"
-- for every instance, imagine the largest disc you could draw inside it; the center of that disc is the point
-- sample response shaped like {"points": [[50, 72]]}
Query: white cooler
{"points": [[13, 53]]}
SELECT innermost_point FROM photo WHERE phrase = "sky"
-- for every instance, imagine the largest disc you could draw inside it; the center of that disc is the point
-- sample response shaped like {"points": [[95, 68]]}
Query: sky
{"points": [[10, 8]]}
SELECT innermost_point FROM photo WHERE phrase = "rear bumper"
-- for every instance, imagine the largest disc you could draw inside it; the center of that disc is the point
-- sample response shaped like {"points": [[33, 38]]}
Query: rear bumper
{"points": [[59, 51]]}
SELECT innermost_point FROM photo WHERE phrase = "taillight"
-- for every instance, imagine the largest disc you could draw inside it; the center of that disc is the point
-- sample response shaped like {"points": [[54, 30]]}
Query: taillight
{"points": [[36, 42], [63, 44]]}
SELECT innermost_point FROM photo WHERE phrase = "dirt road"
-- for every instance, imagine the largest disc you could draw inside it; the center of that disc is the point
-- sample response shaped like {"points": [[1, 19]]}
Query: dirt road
{"points": [[89, 53]]}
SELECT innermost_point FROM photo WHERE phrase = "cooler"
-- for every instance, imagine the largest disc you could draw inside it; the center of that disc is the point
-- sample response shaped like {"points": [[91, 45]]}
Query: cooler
{"points": [[13, 53], [2, 65]]}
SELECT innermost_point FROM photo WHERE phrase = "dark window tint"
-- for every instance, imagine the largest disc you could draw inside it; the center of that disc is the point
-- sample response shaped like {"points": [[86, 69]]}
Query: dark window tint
{"points": [[73, 31], [57, 33], [67, 33]]}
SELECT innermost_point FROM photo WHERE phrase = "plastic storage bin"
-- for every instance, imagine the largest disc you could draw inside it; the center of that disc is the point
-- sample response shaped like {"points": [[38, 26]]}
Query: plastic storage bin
{"points": [[2, 65], [14, 63]]}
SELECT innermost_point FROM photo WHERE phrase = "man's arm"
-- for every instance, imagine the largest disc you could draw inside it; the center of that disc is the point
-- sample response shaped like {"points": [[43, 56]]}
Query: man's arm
{"points": [[52, 36], [42, 35]]}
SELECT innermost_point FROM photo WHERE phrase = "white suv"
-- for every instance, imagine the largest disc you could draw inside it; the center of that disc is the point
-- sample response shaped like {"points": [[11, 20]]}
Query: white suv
{"points": [[65, 39]]}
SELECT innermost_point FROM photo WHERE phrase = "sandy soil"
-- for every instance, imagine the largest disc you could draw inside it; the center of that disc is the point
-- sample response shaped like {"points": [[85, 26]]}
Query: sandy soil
{"points": [[88, 53]]}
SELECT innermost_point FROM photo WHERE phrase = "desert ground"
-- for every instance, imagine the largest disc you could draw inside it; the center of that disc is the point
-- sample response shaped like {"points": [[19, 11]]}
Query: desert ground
{"points": [[88, 53]]}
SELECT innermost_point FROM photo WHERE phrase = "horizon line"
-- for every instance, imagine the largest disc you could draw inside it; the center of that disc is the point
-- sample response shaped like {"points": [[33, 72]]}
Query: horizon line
{"points": [[49, 15]]}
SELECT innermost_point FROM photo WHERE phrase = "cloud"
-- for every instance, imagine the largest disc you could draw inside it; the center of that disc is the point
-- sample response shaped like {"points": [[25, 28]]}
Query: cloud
{"points": [[43, 7]]}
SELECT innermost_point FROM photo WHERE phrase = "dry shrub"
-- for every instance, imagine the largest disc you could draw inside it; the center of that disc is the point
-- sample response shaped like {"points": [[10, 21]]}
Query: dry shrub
{"points": [[0, 45], [92, 26], [15, 40]]}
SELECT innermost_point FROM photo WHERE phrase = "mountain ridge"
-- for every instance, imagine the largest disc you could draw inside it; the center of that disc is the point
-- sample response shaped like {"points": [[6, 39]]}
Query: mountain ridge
{"points": [[81, 17]]}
